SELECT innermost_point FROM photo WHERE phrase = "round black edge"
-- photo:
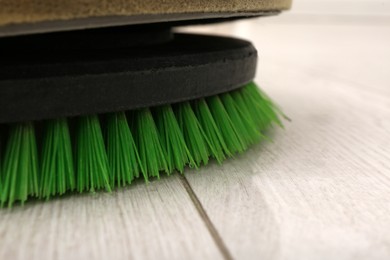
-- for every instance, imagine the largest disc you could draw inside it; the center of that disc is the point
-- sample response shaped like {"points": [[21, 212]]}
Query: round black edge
{"points": [[49, 84]]}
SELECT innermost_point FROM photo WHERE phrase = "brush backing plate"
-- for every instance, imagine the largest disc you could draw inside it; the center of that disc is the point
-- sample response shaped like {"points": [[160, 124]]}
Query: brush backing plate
{"points": [[40, 82]]}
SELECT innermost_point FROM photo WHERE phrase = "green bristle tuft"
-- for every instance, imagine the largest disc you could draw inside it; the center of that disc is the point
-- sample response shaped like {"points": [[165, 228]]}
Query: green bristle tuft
{"points": [[213, 136], [252, 109], [148, 143], [121, 150], [172, 140], [92, 164], [20, 165], [243, 123], [57, 172], [138, 141], [192, 132], [261, 108], [226, 126], [271, 111]]}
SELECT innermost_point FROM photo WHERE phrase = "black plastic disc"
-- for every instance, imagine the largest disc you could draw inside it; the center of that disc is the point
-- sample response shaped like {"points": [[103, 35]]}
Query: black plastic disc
{"points": [[97, 39], [45, 83]]}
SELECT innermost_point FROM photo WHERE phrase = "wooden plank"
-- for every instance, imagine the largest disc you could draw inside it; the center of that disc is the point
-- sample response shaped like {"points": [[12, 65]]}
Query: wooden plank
{"points": [[157, 221], [321, 190]]}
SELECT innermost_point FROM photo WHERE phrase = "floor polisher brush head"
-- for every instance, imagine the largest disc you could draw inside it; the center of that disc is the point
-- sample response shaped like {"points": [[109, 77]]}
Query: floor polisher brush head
{"points": [[75, 118]]}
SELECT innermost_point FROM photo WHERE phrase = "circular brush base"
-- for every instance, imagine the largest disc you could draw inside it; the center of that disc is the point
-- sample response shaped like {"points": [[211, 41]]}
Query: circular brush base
{"points": [[43, 78]]}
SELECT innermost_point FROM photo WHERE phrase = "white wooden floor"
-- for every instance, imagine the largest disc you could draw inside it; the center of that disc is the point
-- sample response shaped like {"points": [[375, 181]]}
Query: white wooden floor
{"points": [[320, 190]]}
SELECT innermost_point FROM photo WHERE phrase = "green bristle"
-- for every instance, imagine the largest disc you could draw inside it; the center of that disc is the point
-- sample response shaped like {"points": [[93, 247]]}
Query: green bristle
{"points": [[20, 165], [174, 136], [264, 111], [271, 110], [252, 109], [92, 164], [172, 140], [57, 172], [227, 127], [192, 132], [122, 152], [244, 125], [148, 143], [213, 136], [244, 111]]}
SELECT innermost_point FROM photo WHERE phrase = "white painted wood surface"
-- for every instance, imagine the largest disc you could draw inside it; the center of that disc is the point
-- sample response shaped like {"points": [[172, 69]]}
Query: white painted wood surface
{"points": [[320, 190], [157, 221]]}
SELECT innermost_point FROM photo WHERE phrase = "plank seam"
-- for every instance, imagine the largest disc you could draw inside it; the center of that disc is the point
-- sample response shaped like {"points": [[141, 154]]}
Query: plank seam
{"points": [[203, 215]]}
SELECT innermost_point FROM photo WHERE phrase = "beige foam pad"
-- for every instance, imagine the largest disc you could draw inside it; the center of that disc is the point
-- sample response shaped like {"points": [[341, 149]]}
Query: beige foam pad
{"points": [[60, 13]]}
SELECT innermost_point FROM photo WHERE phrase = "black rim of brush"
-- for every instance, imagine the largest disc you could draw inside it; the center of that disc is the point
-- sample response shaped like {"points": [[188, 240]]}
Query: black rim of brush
{"points": [[48, 80]]}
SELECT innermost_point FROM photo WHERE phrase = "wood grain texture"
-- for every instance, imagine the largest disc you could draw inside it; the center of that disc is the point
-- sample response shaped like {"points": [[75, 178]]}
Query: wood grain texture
{"points": [[321, 190], [155, 221]]}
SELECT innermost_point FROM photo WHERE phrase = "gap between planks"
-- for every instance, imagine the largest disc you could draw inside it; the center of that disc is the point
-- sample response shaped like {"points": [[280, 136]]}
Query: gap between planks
{"points": [[203, 215]]}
